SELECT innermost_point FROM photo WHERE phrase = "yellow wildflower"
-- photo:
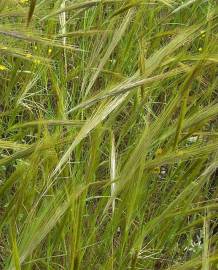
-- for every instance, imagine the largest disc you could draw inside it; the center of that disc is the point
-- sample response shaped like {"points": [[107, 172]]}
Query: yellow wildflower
{"points": [[159, 152], [180, 153], [200, 49], [23, 1], [28, 55], [37, 61], [2, 68], [49, 51], [203, 34], [156, 170]]}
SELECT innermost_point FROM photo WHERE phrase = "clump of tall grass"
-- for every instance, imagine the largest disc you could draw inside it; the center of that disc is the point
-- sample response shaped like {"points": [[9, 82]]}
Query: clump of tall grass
{"points": [[108, 134]]}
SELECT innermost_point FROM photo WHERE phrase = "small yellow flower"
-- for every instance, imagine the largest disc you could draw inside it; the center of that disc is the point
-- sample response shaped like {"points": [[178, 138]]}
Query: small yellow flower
{"points": [[180, 153], [2, 68], [37, 61], [203, 34], [156, 170], [159, 152], [49, 51], [28, 55], [200, 49], [35, 47], [23, 1]]}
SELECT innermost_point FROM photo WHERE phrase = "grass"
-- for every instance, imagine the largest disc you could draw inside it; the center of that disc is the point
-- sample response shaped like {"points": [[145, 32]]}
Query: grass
{"points": [[109, 135]]}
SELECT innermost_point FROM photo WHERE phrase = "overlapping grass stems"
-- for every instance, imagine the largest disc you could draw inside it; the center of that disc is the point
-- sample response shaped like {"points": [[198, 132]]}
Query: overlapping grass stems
{"points": [[108, 134]]}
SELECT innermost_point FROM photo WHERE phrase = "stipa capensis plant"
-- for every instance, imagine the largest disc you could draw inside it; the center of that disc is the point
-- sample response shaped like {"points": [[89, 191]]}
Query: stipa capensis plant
{"points": [[108, 135]]}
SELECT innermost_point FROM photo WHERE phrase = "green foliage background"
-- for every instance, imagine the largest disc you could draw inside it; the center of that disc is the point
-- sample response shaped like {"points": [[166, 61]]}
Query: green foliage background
{"points": [[109, 134]]}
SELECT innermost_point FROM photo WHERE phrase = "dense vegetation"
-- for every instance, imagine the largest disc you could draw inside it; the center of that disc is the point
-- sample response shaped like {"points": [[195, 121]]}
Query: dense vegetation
{"points": [[109, 134]]}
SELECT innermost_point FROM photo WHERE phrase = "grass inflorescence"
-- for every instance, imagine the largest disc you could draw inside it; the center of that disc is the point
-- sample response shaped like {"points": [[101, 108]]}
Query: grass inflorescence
{"points": [[109, 135]]}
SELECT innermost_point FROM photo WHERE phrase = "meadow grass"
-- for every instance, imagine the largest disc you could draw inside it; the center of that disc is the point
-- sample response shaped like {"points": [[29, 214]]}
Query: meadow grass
{"points": [[109, 134]]}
